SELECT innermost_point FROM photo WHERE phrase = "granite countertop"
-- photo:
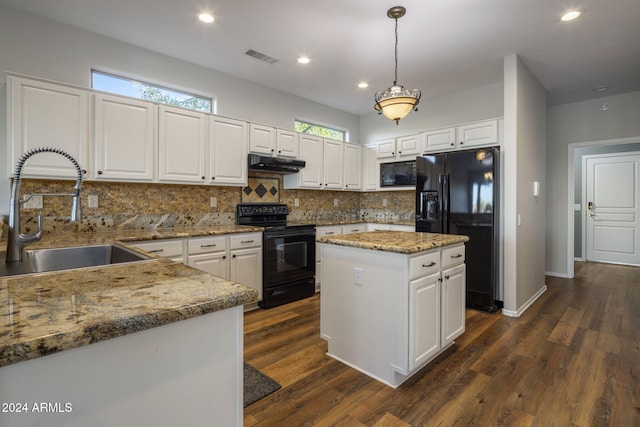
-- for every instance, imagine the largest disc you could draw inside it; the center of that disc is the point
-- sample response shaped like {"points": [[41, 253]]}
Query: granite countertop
{"points": [[46, 313], [328, 222], [403, 242]]}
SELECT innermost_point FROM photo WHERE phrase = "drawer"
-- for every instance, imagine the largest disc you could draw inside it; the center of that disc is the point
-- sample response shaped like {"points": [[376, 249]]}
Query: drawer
{"points": [[424, 264], [165, 248], [249, 240], [452, 256], [354, 228], [328, 231], [206, 245]]}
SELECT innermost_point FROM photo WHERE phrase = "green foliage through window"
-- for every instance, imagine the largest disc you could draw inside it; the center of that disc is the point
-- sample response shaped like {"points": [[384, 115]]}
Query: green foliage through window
{"points": [[319, 130], [149, 92]]}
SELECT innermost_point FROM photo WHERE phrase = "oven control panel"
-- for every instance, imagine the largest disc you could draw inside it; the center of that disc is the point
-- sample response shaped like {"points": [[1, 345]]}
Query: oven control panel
{"points": [[262, 209]]}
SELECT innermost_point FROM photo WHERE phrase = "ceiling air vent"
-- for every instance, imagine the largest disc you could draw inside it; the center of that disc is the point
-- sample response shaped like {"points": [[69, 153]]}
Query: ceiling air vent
{"points": [[261, 56]]}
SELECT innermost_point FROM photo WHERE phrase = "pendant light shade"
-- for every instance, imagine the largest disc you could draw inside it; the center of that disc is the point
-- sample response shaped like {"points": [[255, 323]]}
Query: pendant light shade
{"points": [[396, 101]]}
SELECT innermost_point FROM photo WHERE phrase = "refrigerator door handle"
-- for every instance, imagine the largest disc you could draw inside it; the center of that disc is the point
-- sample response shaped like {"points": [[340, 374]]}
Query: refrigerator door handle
{"points": [[446, 203]]}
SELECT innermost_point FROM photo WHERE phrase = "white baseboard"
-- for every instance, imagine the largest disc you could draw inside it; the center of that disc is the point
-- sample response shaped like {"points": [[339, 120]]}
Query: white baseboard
{"points": [[526, 305], [554, 274]]}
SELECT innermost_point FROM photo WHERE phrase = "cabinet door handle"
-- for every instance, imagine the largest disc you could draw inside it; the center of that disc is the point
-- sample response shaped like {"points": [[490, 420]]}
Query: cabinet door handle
{"points": [[208, 246], [446, 277], [461, 142], [431, 264], [204, 177], [99, 172], [456, 256], [224, 257], [233, 256], [244, 242]]}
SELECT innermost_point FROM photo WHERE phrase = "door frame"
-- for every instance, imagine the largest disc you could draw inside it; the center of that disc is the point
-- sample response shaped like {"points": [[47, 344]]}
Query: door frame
{"points": [[571, 193], [583, 190]]}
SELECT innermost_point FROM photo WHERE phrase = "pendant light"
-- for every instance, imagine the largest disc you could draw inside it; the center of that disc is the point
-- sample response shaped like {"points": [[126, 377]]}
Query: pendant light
{"points": [[396, 101]]}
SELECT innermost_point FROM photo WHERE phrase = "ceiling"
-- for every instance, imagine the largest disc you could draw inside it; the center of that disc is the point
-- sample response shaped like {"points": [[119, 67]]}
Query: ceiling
{"points": [[444, 45]]}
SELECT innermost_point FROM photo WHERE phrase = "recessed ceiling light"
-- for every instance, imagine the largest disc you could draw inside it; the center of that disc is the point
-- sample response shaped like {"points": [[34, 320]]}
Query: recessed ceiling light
{"points": [[363, 85], [206, 17], [571, 15], [304, 60]]}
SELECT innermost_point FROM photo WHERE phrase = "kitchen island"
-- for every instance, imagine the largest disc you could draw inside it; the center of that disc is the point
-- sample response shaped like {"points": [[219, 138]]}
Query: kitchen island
{"points": [[146, 343], [391, 301]]}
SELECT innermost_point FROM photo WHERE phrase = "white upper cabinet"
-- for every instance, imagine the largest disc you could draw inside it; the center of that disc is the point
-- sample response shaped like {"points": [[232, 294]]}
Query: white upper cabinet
{"points": [[333, 164], [228, 151], [183, 137], [403, 147], [262, 139], [478, 134], [124, 138], [312, 175], [272, 141], [352, 167], [324, 164], [439, 139], [43, 114], [287, 143]]}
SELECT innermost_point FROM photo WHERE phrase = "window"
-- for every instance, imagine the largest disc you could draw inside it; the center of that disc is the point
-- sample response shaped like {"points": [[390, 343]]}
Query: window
{"points": [[320, 130], [149, 92]]}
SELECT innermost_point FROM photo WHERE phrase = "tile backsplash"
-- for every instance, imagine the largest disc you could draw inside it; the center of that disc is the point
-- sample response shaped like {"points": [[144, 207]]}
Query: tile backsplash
{"points": [[150, 206]]}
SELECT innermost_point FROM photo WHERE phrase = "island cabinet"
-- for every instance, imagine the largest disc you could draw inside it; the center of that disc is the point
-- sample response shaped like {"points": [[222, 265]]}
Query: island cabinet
{"points": [[389, 309]]}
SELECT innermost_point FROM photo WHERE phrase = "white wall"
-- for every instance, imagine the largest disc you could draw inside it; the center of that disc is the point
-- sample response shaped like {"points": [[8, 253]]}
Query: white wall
{"points": [[524, 159], [43, 48], [480, 103], [575, 123]]}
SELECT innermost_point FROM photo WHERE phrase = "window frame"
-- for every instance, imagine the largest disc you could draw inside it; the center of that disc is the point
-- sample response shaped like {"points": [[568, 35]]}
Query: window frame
{"points": [[136, 93], [333, 129]]}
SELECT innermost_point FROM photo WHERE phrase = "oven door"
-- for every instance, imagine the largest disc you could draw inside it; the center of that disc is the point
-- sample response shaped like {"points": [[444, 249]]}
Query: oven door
{"points": [[289, 256]]}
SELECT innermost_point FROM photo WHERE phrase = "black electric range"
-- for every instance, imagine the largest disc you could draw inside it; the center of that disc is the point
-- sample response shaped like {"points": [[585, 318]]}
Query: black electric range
{"points": [[288, 254]]}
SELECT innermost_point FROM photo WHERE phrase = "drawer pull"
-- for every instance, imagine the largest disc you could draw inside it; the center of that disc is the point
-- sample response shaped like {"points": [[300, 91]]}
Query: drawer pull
{"points": [[244, 242], [355, 231], [156, 251], [208, 246], [456, 256], [329, 232], [431, 264]]}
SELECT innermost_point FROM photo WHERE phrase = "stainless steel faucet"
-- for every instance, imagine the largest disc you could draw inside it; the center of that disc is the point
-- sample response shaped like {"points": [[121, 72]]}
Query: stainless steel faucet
{"points": [[17, 241]]}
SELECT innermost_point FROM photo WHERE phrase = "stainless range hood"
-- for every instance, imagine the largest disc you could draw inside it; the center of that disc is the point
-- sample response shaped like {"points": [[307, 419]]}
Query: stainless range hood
{"points": [[274, 164]]}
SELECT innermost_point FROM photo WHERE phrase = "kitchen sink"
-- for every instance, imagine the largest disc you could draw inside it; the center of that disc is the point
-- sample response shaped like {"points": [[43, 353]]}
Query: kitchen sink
{"points": [[56, 259]]}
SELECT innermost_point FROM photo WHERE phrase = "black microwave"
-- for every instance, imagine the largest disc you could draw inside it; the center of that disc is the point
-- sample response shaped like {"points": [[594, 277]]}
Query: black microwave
{"points": [[398, 174]]}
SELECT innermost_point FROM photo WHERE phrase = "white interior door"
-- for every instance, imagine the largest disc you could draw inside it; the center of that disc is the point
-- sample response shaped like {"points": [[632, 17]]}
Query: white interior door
{"points": [[612, 194]]}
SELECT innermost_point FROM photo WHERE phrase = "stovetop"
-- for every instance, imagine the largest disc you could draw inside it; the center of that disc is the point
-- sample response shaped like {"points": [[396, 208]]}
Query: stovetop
{"points": [[268, 215]]}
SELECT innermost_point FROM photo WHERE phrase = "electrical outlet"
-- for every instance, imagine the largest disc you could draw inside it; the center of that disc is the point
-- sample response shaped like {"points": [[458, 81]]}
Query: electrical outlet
{"points": [[296, 202], [214, 202], [384, 202], [357, 275], [93, 200], [35, 202], [335, 202]]}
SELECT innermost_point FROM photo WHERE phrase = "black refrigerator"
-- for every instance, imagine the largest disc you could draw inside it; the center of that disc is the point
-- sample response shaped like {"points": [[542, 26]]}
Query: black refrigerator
{"points": [[457, 193]]}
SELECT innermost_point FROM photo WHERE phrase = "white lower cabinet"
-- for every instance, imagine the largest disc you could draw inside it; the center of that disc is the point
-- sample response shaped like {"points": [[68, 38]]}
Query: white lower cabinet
{"points": [[453, 292], [424, 312], [389, 314], [169, 248], [235, 257]]}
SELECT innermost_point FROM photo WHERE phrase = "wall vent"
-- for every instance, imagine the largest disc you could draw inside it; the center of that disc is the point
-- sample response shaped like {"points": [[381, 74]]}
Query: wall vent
{"points": [[261, 56]]}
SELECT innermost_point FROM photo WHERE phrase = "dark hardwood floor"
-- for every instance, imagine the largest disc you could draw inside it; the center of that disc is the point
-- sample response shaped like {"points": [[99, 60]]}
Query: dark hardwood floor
{"points": [[572, 359]]}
